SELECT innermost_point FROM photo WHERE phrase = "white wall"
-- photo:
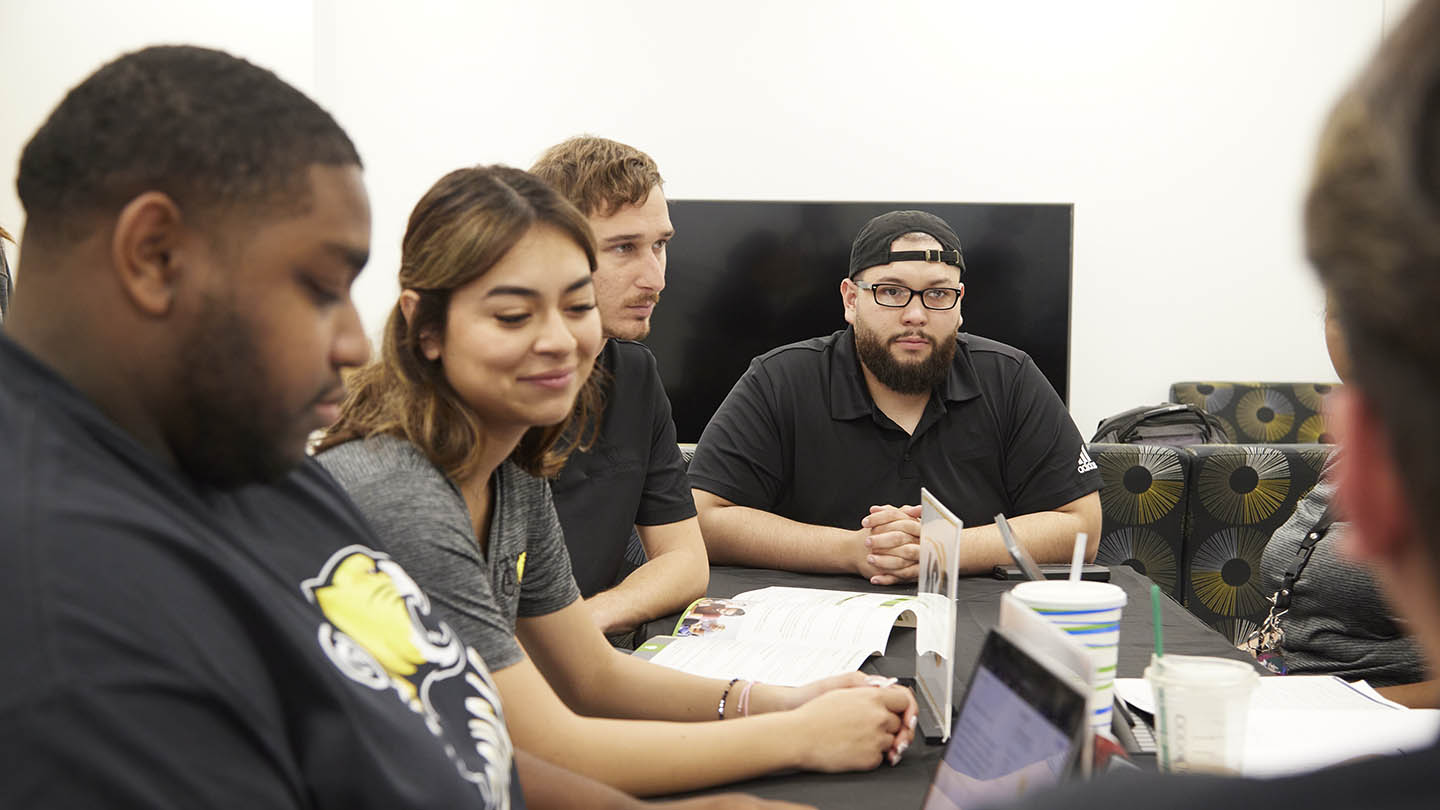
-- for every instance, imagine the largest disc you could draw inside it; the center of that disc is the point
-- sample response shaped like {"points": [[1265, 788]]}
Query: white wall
{"points": [[1181, 131], [48, 46]]}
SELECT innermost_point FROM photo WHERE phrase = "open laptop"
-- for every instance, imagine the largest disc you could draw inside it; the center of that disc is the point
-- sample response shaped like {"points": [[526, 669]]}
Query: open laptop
{"points": [[1022, 726]]}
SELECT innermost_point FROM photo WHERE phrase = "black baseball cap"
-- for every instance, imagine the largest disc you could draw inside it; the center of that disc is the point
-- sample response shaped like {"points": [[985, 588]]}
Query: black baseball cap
{"points": [[872, 246]]}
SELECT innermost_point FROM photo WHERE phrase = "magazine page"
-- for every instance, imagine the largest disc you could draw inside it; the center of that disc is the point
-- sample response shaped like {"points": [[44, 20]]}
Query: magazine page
{"points": [[782, 663], [848, 619], [787, 636]]}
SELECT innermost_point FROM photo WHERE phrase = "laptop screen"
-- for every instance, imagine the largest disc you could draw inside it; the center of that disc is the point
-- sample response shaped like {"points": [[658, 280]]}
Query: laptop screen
{"points": [[1020, 728]]}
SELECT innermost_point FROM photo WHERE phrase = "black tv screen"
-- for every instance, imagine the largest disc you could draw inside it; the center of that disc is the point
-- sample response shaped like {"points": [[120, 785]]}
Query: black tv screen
{"points": [[744, 277]]}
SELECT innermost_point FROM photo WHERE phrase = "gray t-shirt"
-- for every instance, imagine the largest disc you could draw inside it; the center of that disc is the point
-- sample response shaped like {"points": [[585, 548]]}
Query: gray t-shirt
{"points": [[1339, 622], [422, 521]]}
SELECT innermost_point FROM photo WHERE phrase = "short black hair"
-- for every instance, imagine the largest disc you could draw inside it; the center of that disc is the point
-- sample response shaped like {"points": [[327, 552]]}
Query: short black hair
{"points": [[208, 129]]}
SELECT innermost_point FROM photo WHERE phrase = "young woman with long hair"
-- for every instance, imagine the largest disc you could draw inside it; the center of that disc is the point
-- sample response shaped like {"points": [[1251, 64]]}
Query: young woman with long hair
{"points": [[444, 442]]}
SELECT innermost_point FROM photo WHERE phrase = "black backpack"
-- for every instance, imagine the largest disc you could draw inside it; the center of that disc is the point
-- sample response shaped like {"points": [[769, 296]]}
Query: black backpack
{"points": [[1172, 424]]}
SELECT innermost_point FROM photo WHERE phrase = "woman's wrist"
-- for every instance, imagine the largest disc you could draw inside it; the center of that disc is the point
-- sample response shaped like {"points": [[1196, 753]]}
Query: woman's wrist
{"points": [[765, 698]]}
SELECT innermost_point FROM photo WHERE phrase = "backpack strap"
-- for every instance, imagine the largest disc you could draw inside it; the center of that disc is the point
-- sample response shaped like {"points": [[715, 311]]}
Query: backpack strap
{"points": [[1302, 558]]}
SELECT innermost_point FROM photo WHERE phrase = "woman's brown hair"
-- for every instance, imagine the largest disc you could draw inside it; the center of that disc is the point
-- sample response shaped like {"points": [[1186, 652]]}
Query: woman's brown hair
{"points": [[461, 228]]}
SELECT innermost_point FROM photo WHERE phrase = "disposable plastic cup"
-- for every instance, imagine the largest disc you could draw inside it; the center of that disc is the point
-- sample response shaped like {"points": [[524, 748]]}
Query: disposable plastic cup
{"points": [[1089, 611], [1201, 706]]}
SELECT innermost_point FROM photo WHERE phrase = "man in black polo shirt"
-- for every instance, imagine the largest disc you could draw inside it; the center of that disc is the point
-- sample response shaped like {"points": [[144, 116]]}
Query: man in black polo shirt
{"points": [[630, 487], [816, 458]]}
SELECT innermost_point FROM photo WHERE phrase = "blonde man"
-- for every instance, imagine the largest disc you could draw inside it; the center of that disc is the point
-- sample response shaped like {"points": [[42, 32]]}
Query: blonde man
{"points": [[630, 488]]}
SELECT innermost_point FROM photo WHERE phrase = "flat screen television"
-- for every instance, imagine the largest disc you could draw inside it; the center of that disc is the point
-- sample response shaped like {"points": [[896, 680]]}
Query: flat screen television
{"points": [[745, 276]]}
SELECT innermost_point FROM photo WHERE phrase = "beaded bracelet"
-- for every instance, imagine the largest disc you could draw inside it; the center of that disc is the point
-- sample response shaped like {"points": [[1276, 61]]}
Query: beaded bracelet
{"points": [[720, 710]]}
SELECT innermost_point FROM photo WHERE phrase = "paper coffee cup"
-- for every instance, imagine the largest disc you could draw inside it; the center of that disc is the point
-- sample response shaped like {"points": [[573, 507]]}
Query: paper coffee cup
{"points": [[1089, 611], [1201, 706]]}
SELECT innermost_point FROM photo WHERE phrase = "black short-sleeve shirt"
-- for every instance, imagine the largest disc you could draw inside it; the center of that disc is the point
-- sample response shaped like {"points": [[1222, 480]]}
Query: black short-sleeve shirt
{"points": [[800, 436], [169, 645], [632, 475]]}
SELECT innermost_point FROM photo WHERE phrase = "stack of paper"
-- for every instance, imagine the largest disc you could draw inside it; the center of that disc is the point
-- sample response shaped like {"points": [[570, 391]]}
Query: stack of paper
{"points": [[1300, 723]]}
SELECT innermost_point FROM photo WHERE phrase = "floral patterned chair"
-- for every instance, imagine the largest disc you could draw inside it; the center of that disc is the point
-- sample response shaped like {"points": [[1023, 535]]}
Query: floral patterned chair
{"points": [[1143, 495], [1239, 495], [1196, 519], [1262, 413]]}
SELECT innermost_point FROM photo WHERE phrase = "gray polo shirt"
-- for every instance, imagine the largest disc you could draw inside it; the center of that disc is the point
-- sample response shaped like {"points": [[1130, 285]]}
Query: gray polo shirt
{"points": [[422, 521]]}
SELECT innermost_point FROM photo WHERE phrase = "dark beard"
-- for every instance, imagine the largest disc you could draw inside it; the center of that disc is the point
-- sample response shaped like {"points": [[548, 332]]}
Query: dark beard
{"points": [[903, 378], [227, 432]]}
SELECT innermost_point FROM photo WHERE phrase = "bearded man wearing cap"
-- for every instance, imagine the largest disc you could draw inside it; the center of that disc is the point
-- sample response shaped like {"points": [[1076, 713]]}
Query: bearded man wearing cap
{"points": [[815, 460]]}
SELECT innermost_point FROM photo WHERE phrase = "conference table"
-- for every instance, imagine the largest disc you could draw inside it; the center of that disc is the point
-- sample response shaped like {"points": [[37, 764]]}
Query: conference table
{"points": [[977, 610]]}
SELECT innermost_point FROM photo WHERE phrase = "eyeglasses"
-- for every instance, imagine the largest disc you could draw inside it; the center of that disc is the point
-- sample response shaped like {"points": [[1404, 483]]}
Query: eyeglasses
{"points": [[897, 295]]}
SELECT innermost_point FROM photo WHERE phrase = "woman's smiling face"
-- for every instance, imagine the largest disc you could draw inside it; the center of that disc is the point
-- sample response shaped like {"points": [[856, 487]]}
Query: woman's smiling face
{"points": [[521, 339]]}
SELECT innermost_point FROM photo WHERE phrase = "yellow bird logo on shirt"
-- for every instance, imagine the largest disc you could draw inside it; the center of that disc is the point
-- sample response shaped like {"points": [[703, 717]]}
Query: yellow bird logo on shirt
{"points": [[374, 631]]}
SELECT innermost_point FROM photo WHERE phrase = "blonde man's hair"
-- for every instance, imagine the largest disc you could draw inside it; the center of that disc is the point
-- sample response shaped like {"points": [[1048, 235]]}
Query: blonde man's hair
{"points": [[598, 175]]}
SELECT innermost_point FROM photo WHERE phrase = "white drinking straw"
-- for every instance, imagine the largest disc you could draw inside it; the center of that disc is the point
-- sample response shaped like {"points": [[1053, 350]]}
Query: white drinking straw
{"points": [[1078, 559]]}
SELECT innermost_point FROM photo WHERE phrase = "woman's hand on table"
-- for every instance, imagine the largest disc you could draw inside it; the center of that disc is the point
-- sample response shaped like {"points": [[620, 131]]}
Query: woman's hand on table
{"points": [[855, 728], [901, 699]]}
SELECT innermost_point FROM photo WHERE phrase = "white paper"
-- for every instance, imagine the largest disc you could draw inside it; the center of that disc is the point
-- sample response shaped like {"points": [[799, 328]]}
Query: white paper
{"points": [[1288, 693], [1286, 742], [1365, 688], [1299, 723], [784, 636], [777, 662], [821, 617], [1317, 693], [1136, 692]]}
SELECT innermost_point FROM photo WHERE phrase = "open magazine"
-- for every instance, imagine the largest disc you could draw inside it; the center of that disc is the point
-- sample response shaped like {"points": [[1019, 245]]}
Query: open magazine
{"points": [[791, 636]]}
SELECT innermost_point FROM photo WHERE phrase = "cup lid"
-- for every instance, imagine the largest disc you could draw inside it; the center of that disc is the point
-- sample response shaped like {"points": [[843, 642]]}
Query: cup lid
{"points": [[1201, 670], [1063, 593]]}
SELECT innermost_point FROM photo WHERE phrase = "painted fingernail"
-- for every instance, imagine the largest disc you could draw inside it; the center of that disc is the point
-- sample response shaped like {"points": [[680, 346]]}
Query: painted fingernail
{"points": [[900, 750], [911, 722], [894, 758], [868, 542], [880, 681]]}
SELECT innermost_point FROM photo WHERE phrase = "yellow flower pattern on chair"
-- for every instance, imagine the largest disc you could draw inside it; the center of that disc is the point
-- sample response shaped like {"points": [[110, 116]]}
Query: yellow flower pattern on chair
{"points": [[1225, 571], [1245, 488]]}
